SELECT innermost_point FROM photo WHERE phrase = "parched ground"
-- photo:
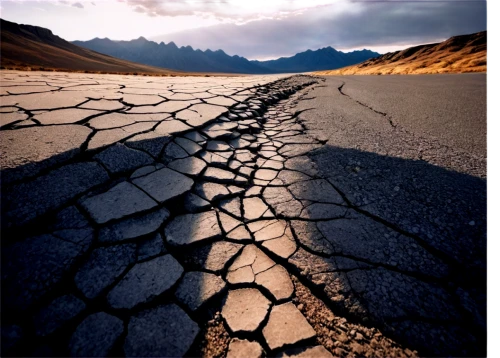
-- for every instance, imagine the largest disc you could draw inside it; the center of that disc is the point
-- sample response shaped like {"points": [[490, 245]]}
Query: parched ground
{"points": [[215, 217]]}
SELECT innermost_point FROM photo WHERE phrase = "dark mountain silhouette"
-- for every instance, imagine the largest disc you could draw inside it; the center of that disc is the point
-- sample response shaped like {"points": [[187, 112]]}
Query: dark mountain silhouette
{"points": [[32, 46], [187, 59], [325, 58], [170, 56]]}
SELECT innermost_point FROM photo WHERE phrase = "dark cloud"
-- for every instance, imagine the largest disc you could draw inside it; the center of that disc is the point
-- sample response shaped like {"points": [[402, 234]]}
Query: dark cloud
{"points": [[78, 5], [344, 25]]}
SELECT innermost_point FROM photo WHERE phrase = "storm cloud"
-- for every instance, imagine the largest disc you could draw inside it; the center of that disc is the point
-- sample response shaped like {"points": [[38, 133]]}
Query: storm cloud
{"points": [[359, 24]]}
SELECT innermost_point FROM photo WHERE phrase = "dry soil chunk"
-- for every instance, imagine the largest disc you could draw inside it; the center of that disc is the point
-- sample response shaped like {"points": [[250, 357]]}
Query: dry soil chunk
{"points": [[239, 348], [277, 281], [245, 309], [286, 326], [145, 281], [121, 200], [164, 184]]}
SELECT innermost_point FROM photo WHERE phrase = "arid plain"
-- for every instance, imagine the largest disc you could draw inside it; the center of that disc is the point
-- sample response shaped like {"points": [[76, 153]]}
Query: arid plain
{"points": [[271, 215]]}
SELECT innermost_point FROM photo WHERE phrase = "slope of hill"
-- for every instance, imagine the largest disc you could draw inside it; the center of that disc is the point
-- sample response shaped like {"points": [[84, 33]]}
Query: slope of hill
{"points": [[170, 56], [326, 58], [458, 54], [32, 46]]}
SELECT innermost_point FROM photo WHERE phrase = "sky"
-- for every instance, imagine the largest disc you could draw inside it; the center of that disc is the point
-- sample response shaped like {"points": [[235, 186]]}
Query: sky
{"points": [[257, 29]]}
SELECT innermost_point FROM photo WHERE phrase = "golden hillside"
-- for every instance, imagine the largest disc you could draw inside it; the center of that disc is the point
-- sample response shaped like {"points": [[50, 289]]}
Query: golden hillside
{"points": [[458, 54]]}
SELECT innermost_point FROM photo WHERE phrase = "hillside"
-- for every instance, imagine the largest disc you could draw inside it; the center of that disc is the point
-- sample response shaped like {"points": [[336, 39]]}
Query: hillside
{"points": [[458, 54], [36, 47]]}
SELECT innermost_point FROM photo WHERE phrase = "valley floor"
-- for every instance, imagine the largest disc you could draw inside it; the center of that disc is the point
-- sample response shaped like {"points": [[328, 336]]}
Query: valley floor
{"points": [[247, 216]]}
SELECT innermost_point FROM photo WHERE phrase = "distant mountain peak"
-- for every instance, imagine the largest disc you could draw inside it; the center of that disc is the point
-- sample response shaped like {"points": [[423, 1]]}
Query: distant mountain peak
{"points": [[186, 58], [172, 44]]}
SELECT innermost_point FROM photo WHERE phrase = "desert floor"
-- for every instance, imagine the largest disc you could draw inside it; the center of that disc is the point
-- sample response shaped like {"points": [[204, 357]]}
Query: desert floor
{"points": [[252, 216]]}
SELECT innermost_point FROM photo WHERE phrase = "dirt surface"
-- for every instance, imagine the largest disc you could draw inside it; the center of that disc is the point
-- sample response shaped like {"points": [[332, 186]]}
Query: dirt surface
{"points": [[167, 216]]}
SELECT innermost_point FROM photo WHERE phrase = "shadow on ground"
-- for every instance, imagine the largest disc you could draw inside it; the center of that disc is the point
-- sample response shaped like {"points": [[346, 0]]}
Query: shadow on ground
{"points": [[396, 243]]}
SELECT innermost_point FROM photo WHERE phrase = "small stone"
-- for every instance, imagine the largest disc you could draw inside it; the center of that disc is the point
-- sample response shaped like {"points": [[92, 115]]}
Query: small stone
{"points": [[241, 348], [472, 223], [145, 281], [164, 331], [196, 288], [286, 326], [245, 309], [95, 336], [190, 228]]}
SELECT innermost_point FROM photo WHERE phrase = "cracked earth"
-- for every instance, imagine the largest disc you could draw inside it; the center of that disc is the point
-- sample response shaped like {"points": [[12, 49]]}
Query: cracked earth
{"points": [[187, 217]]}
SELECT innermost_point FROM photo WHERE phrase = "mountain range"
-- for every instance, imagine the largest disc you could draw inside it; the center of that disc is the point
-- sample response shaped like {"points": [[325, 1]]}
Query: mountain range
{"points": [[186, 58], [36, 47]]}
